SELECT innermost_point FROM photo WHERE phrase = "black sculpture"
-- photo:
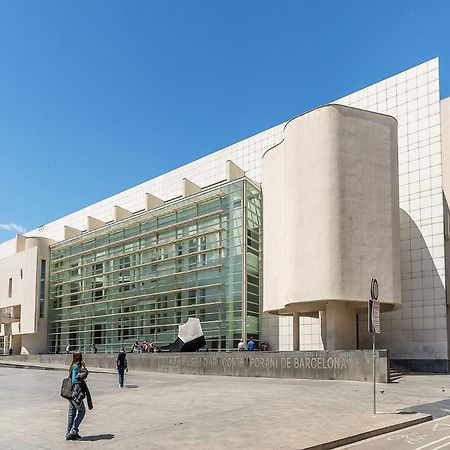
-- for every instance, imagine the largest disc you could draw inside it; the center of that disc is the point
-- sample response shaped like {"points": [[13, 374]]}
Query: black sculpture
{"points": [[190, 337]]}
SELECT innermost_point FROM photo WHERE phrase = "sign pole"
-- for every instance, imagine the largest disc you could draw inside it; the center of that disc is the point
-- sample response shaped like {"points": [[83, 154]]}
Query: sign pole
{"points": [[374, 328], [374, 376]]}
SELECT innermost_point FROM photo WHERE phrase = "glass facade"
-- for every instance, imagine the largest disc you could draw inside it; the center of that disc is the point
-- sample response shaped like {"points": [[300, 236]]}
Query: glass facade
{"points": [[42, 288], [142, 277]]}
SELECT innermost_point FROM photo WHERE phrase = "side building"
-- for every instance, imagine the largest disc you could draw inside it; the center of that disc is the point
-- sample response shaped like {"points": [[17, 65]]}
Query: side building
{"points": [[24, 296]]}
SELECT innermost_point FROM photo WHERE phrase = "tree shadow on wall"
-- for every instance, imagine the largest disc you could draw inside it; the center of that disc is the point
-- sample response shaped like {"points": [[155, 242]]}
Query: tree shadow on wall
{"points": [[412, 328]]}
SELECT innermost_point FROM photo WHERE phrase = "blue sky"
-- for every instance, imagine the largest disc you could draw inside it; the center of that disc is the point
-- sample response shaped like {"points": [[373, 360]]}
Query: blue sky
{"points": [[98, 96]]}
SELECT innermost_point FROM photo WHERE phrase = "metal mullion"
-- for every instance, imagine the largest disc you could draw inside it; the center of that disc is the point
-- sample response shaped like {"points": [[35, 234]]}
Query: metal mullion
{"points": [[115, 329], [131, 253], [244, 264], [155, 310], [135, 267], [139, 296], [157, 230], [161, 277], [138, 219]]}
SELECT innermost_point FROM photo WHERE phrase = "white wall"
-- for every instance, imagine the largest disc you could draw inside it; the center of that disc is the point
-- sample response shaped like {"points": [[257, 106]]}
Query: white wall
{"points": [[331, 218], [419, 329], [24, 270]]}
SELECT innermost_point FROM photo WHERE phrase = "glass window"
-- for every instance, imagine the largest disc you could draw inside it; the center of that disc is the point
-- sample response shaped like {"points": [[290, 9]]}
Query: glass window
{"points": [[126, 286], [42, 289]]}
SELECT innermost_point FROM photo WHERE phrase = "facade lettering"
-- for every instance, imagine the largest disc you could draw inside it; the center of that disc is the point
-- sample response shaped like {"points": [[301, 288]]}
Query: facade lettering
{"points": [[255, 362]]}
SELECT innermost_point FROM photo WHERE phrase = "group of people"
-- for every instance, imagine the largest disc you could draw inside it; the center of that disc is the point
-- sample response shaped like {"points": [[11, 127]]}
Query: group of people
{"points": [[144, 347], [251, 346]]}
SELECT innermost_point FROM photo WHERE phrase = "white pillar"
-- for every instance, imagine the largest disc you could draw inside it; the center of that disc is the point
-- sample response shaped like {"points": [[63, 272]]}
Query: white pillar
{"points": [[70, 232], [233, 171], [93, 223], [121, 213], [190, 188], [152, 202], [296, 331], [323, 328], [341, 326]]}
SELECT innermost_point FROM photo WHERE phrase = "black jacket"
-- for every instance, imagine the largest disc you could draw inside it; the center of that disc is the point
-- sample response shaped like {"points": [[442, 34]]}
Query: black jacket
{"points": [[80, 391], [121, 362]]}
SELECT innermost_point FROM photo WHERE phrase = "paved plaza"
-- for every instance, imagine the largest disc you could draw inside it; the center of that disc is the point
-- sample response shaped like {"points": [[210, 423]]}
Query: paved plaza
{"points": [[161, 411], [432, 435]]}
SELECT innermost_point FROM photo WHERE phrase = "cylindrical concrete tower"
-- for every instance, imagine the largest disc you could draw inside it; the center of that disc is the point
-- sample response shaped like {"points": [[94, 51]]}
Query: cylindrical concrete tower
{"points": [[331, 218]]}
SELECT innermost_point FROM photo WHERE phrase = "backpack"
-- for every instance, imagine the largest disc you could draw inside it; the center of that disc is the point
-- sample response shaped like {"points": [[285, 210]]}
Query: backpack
{"points": [[66, 388]]}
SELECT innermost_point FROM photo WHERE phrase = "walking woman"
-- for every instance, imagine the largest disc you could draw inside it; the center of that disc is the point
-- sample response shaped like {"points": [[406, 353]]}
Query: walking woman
{"points": [[77, 410]]}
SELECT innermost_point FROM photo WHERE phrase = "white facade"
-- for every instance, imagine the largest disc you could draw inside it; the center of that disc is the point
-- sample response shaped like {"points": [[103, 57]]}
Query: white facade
{"points": [[418, 330], [23, 315], [331, 218]]}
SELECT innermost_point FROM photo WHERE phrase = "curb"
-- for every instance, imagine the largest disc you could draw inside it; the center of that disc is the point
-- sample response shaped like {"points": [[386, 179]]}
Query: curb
{"points": [[370, 434], [61, 369]]}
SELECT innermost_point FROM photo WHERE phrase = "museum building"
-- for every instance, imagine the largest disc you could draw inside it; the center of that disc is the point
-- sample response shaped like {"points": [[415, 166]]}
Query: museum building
{"points": [[275, 237]]}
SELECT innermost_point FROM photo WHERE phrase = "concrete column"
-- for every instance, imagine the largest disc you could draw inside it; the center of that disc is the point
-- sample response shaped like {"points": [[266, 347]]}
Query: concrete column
{"points": [[70, 232], [233, 171], [323, 328], [93, 223], [121, 213], [152, 202], [296, 331], [16, 344], [340, 326], [20, 243], [190, 188]]}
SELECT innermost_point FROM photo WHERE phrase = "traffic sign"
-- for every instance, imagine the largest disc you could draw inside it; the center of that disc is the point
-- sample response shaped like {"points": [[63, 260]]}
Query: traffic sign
{"points": [[376, 316], [374, 309]]}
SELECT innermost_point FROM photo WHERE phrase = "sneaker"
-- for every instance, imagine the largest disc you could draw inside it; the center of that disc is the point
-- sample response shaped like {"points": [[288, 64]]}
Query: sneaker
{"points": [[73, 437]]}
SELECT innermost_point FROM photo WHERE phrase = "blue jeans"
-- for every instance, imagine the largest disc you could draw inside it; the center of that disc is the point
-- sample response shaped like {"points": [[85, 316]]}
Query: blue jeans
{"points": [[75, 416], [121, 371]]}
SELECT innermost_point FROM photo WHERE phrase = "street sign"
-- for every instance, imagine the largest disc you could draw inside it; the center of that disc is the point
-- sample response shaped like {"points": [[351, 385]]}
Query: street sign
{"points": [[373, 311], [374, 289], [376, 316]]}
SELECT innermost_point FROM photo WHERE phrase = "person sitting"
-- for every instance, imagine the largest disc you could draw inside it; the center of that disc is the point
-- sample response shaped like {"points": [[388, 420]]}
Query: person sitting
{"points": [[134, 347], [264, 346]]}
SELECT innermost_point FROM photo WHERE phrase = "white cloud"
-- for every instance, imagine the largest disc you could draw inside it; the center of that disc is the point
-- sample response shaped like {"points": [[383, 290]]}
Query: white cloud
{"points": [[12, 227]]}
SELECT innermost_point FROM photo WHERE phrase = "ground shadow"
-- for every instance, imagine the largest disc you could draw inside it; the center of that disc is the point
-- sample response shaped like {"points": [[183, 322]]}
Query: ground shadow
{"points": [[98, 437], [436, 409]]}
